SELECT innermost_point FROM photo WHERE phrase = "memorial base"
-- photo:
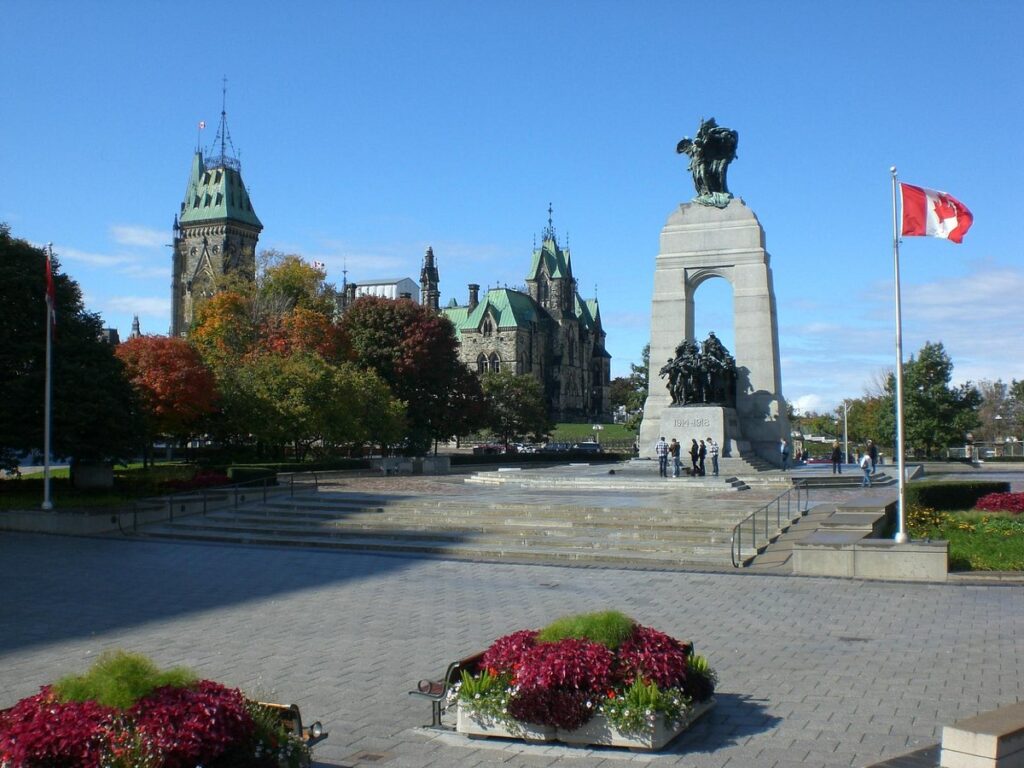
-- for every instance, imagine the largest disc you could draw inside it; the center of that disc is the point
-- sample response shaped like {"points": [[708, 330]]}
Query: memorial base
{"points": [[694, 422]]}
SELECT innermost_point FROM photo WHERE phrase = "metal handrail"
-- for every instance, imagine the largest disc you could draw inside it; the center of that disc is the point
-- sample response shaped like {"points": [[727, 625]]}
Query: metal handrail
{"points": [[236, 492], [736, 541]]}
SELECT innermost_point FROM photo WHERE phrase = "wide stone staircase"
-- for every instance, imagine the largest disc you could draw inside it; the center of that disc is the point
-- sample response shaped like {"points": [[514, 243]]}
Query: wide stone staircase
{"points": [[673, 526]]}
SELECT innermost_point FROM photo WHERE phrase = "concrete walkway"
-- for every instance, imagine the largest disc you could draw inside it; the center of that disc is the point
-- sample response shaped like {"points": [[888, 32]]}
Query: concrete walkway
{"points": [[814, 672]]}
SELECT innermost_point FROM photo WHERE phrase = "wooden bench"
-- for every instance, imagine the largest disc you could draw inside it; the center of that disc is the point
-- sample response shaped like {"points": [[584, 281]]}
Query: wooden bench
{"points": [[437, 690], [291, 719]]}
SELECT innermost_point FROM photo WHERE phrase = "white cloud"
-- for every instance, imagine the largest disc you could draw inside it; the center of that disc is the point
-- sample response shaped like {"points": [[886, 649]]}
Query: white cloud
{"points": [[128, 234], [93, 259], [139, 305]]}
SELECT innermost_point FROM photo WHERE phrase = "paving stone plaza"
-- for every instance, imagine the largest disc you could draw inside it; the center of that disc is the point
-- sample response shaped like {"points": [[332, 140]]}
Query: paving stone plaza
{"points": [[813, 672]]}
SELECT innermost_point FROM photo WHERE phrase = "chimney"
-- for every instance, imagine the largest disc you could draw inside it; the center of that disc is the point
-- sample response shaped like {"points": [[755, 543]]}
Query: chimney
{"points": [[474, 296]]}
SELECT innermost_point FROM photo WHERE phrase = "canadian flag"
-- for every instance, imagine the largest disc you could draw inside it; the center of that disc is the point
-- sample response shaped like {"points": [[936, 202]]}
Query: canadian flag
{"points": [[934, 214]]}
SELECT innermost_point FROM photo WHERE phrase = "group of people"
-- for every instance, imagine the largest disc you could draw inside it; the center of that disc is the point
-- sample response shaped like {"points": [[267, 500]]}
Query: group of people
{"points": [[868, 462], [699, 453]]}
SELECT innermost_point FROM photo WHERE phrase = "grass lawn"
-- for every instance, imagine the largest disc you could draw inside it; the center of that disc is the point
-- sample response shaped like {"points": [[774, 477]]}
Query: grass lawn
{"points": [[574, 433], [131, 482], [978, 541]]}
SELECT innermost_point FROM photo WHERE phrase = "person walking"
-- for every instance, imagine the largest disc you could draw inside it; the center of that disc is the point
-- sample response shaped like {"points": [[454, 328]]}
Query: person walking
{"points": [[784, 450], [674, 449], [694, 456], [873, 455], [661, 451], [837, 458], [713, 453], [865, 464], [702, 453]]}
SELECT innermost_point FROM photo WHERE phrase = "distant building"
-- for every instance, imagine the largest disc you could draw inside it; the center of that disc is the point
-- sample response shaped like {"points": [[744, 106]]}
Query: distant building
{"points": [[215, 231], [546, 330]]}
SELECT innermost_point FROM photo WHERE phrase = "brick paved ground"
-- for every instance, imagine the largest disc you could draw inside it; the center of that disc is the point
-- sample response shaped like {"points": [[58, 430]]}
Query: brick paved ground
{"points": [[814, 672]]}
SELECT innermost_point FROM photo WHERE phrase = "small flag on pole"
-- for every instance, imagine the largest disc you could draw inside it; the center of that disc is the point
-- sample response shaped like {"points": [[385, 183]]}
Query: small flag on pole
{"points": [[202, 124], [931, 213]]}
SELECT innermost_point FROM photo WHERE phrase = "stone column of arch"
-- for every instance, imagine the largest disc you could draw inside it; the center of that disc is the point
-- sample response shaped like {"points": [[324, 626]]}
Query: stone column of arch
{"points": [[698, 243]]}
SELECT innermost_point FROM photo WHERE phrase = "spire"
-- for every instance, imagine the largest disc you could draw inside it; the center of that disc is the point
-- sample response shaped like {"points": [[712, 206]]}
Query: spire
{"points": [[549, 232], [135, 328], [223, 138], [430, 296]]}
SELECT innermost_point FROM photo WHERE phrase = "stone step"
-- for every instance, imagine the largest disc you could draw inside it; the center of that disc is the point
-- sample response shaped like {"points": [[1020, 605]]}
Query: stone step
{"points": [[574, 538], [716, 555]]}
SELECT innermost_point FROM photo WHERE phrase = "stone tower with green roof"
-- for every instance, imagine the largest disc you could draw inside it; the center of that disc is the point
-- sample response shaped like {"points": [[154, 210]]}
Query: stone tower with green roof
{"points": [[546, 330], [215, 232]]}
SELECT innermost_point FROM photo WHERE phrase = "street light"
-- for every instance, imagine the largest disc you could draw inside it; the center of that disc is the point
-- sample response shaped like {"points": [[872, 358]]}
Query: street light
{"points": [[846, 438]]}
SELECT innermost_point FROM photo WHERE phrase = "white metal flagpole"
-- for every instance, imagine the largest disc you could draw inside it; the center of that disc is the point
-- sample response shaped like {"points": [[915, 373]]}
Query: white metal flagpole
{"points": [[47, 503], [901, 517]]}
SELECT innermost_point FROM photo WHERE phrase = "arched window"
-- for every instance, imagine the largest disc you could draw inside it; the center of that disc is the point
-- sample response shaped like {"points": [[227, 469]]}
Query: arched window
{"points": [[495, 363], [488, 327], [481, 363]]}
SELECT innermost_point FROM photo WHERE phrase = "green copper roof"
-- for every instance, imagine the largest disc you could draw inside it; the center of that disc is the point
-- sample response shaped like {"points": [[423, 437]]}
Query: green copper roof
{"points": [[559, 262], [216, 193], [511, 309]]}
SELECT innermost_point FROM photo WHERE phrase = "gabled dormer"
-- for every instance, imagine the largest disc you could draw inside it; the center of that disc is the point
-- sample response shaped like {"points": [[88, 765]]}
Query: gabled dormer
{"points": [[550, 281]]}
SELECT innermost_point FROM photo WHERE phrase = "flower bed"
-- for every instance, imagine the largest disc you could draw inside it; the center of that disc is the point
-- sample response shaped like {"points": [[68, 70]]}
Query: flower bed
{"points": [[127, 714], [590, 679]]}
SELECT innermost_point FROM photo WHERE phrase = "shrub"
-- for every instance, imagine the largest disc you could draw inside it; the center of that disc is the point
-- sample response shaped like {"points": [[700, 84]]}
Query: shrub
{"points": [[1001, 502], [653, 656], [506, 653], [252, 474], [190, 726], [961, 494], [570, 663], [609, 628], [202, 479], [118, 680], [42, 731]]}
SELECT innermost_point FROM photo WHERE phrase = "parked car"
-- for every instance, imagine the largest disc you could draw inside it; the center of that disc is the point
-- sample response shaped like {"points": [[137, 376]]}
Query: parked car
{"points": [[587, 447]]}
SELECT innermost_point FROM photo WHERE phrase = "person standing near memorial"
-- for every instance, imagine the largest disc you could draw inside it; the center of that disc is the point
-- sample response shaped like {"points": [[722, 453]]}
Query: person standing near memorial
{"points": [[873, 454], [837, 458], [661, 451], [674, 449], [702, 452], [865, 464], [713, 453], [694, 456], [784, 451]]}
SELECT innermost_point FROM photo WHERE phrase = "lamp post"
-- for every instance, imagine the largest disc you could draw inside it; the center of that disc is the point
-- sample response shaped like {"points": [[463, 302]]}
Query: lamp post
{"points": [[846, 437], [597, 433]]}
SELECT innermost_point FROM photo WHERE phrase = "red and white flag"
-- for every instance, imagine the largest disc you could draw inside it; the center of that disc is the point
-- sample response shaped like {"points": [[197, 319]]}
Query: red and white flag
{"points": [[202, 124], [931, 213]]}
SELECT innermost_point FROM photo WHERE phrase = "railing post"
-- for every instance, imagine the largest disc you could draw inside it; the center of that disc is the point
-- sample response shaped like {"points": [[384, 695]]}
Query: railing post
{"points": [[204, 503]]}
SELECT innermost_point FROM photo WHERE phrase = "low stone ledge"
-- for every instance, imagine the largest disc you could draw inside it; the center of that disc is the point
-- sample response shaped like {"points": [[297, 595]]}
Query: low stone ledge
{"points": [[993, 739], [847, 554]]}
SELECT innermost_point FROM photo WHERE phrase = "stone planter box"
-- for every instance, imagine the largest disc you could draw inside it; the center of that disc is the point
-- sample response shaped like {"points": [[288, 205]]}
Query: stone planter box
{"points": [[474, 724], [596, 731]]}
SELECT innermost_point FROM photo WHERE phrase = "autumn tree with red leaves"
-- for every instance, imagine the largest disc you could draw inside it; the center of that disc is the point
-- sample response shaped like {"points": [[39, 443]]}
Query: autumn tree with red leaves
{"points": [[175, 388]]}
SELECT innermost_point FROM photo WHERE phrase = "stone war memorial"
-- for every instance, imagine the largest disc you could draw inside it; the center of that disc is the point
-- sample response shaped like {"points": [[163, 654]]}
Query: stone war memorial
{"points": [[702, 390]]}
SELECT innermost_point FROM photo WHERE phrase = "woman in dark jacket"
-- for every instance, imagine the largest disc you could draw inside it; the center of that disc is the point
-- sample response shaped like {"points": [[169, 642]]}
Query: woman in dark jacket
{"points": [[694, 455], [837, 458]]}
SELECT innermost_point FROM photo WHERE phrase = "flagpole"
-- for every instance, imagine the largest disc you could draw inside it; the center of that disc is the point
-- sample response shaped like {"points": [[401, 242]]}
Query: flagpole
{"points": [[47, 503], [901, 517]]}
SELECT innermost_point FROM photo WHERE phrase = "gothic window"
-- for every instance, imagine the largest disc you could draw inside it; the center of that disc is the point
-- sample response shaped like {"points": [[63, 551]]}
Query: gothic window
{"points": [[495, 363], [542, 291], [481, 363], [488, 327]]}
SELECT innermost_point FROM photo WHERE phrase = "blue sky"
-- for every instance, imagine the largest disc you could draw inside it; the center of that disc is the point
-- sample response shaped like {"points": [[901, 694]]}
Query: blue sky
{"points": [[370, 130]]}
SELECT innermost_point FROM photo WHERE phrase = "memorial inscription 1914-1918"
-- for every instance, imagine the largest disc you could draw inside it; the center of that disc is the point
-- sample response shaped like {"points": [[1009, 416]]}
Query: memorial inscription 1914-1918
{"points": [[701, 375]]}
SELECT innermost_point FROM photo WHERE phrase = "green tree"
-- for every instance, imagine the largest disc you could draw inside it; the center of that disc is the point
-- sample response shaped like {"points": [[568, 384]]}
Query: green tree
{"points": [[515, 406], [94, 411], [286, 282], [935, 414], [639, 381], [415, 351]]}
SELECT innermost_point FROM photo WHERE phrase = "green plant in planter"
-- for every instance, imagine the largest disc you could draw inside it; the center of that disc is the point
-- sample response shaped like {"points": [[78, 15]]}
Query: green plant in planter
{"points": [[119, 679], [271, 740], [609, 628], [487, 695], [637, 708]]}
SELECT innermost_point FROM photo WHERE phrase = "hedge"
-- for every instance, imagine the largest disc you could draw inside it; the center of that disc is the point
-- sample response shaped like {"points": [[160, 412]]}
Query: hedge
{"points": [[463, 459], [955, 495]]}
